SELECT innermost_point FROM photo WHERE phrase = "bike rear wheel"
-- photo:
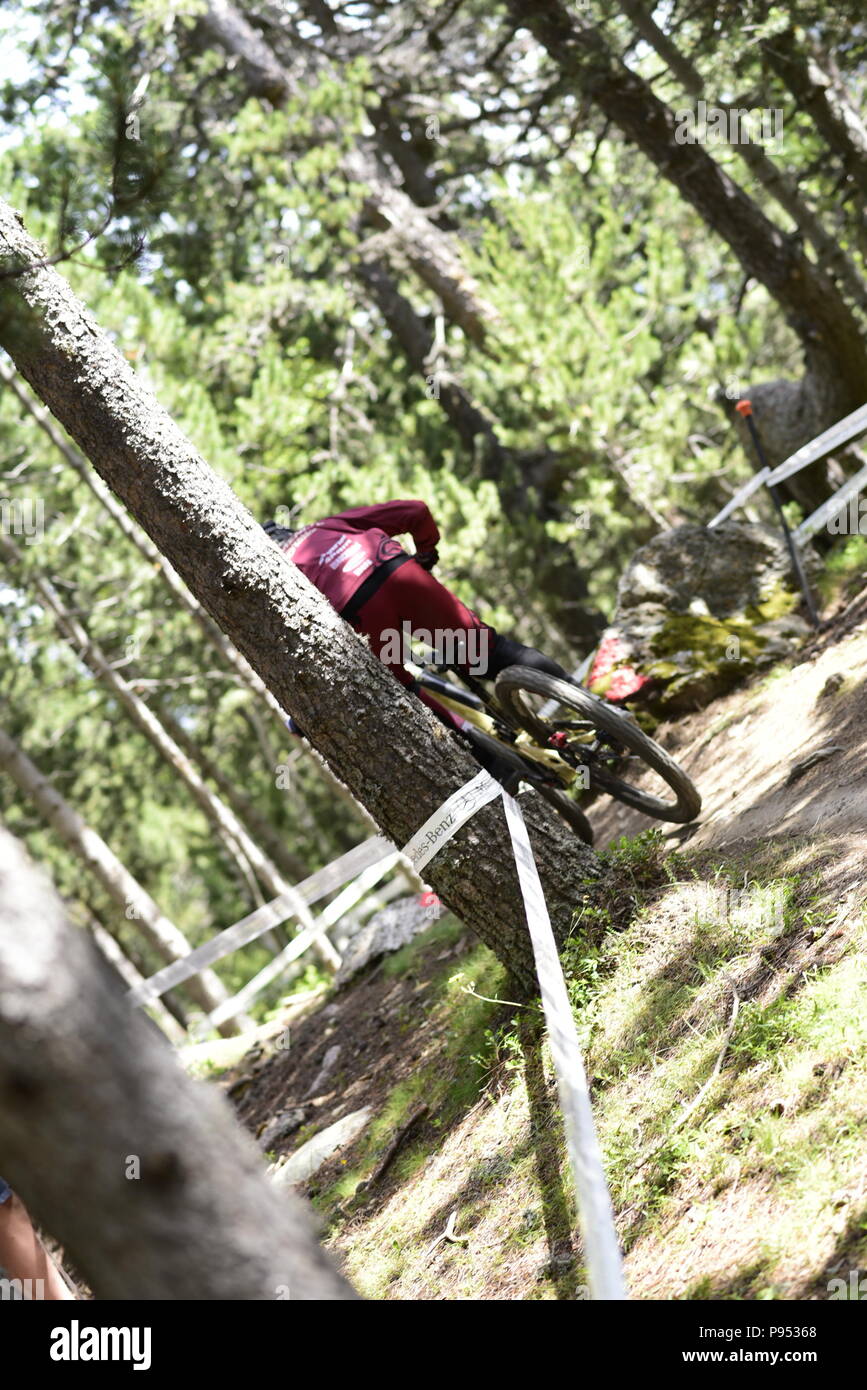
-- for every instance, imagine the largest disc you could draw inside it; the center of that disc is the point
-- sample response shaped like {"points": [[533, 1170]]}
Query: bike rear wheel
{"points": [[516, 683], [569, 810]]}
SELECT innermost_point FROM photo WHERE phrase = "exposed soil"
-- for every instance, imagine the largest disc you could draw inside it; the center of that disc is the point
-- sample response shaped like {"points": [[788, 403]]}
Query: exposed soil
{"points": [[383, 1029]]}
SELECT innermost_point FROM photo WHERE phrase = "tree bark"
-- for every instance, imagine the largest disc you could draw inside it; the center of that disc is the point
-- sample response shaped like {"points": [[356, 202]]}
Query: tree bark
{"points": [[176, 587], [781, 187], [132, 978], [182, 596], [523, 478], [167, 940], [427, 248], [394, 756], [473, 427], [247, 813], [87, 1091]]}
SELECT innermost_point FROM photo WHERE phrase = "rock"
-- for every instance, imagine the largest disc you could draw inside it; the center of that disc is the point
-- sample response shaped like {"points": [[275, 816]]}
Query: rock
{"points": [[387, 931], [780, 637], [307, 1160], [819, 755], [329, 1062], [281, 1126], [697, 611], [832, 685]]}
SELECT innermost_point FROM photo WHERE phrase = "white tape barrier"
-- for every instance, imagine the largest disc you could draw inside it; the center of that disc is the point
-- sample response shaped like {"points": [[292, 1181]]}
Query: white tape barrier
{"points": [[439, 828], [300, 943], [601, 1248], [834, 505], [843, 432]]}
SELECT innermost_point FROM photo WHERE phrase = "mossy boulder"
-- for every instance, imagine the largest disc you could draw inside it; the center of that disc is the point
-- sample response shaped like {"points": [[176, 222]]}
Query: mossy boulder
{"points": [[697, 611]]}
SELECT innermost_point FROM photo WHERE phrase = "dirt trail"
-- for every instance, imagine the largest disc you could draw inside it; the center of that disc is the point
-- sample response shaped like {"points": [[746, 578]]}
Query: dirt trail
{"points": [[741, 750]]}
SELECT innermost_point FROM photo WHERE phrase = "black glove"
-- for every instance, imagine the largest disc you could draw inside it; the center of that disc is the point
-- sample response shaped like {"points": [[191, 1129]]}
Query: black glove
{"points": [[427, 558]]}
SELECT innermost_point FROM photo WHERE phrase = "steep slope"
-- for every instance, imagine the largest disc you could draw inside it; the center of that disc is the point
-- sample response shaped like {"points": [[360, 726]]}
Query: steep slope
{"points": [[720, 988]]}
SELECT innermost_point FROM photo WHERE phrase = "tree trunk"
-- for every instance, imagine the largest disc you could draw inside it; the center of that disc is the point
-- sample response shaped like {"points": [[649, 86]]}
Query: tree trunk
{"points": [[394, 756], [167, 939], [781, 187], [229, 829], [523, 479], [839, 124], [182, 596], [431, 253], [427, 248], [247, 813], [143, 1174]]}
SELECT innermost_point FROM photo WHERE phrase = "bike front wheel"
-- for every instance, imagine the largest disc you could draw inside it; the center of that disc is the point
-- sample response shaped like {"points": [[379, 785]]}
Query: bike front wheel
{"points": [[616, 730]]}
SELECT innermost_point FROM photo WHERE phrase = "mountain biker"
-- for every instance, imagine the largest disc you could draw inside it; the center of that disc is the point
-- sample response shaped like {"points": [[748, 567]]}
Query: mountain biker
{"points": [[354, 560]]}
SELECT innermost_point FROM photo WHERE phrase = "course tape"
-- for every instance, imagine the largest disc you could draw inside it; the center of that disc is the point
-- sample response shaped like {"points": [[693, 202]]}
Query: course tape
{"points": [[601, 1248], [439, 828]]}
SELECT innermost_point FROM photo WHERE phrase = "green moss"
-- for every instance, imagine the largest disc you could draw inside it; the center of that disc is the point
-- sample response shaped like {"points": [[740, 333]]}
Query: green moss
{"points": [[709, 641], [698, 656], [717, 651]]}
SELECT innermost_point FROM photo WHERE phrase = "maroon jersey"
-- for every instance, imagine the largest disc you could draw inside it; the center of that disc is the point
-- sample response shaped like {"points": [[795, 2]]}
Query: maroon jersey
{"points": [[342, 552]]}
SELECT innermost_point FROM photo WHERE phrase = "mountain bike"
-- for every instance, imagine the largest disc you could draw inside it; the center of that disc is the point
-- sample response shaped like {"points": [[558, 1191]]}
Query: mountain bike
{"points": [[562, 739]]}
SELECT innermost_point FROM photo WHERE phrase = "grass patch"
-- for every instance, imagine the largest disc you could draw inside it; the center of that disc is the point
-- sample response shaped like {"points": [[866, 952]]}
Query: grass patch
{"points": [[654, 1021], [446, 932], [843, 564]]}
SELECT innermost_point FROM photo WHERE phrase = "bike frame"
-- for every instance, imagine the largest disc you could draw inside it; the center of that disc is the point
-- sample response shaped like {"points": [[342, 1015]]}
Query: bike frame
{"points": [[475, 709]]}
